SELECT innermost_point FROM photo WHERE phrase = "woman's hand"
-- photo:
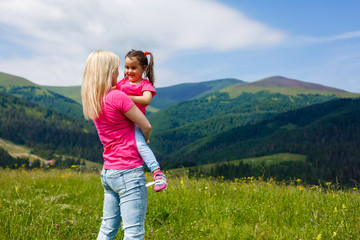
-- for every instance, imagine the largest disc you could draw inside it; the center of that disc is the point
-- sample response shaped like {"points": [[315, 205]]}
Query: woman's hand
{"points": [[135, 115]]}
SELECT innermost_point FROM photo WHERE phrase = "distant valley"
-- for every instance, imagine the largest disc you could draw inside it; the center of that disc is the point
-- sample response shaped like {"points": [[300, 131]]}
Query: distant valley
{"points": [[198, 123]]}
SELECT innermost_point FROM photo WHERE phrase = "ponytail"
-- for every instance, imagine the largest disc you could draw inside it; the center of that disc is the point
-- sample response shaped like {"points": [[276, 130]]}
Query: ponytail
{"points": [[149, 71]]}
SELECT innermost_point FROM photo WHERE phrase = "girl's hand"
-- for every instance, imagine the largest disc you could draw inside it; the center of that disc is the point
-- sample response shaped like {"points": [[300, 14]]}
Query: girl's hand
{"points": [[145, 99]]}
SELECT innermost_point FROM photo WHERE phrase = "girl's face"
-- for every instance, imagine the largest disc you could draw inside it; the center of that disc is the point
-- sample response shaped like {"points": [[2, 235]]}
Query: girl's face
{"points": [[133, 70]]}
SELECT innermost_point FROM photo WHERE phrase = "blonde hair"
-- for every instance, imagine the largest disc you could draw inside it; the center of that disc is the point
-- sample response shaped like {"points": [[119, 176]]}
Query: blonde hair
{"points": [[97, 81]]}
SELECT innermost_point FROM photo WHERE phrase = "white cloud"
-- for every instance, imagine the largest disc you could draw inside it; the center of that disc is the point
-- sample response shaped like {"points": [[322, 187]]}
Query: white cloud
{"points": [[342, 36], [58, 35]]}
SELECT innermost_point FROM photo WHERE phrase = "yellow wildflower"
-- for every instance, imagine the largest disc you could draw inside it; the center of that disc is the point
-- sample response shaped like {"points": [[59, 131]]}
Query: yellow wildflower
{"points": [[342, 224]]}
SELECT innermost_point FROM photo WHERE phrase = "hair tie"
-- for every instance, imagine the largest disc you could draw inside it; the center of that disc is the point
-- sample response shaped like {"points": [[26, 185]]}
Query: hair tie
{"points": [[146, 53]]}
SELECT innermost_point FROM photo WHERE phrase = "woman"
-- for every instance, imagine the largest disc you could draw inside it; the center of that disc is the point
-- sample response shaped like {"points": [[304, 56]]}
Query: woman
{"points": [[115, 115]]}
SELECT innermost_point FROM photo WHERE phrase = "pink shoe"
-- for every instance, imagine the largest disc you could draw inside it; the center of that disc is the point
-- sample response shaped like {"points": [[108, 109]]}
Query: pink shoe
{"points": [[160, 181]]}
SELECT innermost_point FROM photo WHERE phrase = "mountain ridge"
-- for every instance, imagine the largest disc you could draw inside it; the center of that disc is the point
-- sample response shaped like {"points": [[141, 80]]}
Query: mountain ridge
{"points": [[167, 96], [290, 83]]}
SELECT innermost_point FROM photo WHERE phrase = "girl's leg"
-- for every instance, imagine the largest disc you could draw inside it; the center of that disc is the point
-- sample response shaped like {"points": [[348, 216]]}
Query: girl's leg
{"points": [[145, 151]]}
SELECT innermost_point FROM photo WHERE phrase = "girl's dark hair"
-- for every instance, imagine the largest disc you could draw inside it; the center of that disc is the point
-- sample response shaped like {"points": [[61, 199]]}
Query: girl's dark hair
{"points": [[143, 60]]}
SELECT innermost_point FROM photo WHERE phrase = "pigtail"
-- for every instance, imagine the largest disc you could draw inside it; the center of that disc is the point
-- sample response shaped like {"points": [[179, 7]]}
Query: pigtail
{"points": [[149, 71]]}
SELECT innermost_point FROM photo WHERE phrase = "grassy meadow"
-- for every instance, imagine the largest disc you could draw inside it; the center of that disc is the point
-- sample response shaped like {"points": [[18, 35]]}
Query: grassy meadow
{"points": [[67, 204]]}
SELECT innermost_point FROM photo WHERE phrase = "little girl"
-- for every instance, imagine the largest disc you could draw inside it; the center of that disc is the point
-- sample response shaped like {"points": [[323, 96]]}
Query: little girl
{"points": [[141, 92]]}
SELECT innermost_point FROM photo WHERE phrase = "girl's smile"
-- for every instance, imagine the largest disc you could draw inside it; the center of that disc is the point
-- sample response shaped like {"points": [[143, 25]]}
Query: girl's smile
{"points": [[133, 70]]}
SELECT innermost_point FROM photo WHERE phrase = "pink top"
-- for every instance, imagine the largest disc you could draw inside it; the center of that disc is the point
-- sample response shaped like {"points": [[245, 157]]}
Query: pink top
{"points": [[116, 132], [136, 90]]}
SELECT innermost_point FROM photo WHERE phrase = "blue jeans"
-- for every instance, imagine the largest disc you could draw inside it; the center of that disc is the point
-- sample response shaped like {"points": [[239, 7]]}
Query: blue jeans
{"points": [[144, 150], [125, 200]]}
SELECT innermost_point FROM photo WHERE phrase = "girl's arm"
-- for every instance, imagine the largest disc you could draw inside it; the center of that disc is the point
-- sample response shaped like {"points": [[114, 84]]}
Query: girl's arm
{"points": [[135, 115], [145, 99]]}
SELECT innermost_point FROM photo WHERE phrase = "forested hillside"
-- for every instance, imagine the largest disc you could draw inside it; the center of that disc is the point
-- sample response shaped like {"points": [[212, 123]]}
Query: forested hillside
{"points": [[8, 161], [230, 121], [29, 91], [327, 133], [72, 92], [186, 125], [46, 131]]}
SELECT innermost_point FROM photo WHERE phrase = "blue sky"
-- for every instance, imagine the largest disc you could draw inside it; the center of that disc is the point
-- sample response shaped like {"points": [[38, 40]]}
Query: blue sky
{"points": [[48, 42]]}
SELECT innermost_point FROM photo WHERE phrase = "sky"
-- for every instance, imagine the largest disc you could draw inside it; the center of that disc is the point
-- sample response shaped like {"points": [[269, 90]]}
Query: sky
{"points": [[48, 42]]}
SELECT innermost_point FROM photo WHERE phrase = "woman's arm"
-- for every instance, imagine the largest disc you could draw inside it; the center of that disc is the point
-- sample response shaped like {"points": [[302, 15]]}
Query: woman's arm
{"points": [[135, 115], [145, 99]]}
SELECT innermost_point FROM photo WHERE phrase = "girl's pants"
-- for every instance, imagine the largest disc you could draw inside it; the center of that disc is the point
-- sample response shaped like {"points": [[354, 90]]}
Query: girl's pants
{"points": [[144, 150], [125, 201]]}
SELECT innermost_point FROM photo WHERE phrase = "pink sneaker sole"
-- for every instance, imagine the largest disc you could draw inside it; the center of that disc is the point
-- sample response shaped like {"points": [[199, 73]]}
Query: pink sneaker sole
{"points": [[160, 187]]}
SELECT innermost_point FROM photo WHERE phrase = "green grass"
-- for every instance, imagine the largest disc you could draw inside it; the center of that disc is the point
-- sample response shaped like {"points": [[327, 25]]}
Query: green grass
{"points": [[7, 81], [274, 158], [67, 204], [72, 92], [255, 161], [18, 150]]}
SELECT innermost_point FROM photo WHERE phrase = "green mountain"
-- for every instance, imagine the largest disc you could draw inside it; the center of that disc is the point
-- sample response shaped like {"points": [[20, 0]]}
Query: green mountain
{"points": [[27, 90], [167, 96], [185, 125], [327, 133], [195, 122], [286, 86], [72, 92], [248, 101], [46, 131]]}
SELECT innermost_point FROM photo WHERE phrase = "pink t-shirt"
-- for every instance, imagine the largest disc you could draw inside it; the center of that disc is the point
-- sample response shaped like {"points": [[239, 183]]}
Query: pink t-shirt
{"points": [[116, 132], [136, 90]]}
